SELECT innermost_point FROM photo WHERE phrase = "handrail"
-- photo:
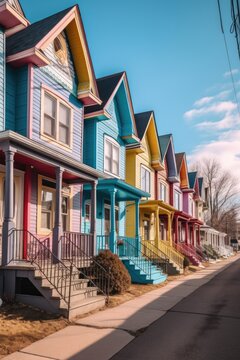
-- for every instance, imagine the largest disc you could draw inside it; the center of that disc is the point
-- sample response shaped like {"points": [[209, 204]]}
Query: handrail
{"points": [[187, 250], [96, 274], [156, 255], [55, 271], [127, 248], [172, 253]]}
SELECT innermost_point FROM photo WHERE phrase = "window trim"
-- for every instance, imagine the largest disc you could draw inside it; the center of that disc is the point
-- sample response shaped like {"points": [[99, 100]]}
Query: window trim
{"points": [[150, 178], [113, 142], [165, 186], [43, 231], [60, 100], [180, 200]]}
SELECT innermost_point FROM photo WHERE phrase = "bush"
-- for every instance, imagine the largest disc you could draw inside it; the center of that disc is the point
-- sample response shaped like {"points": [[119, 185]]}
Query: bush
{"points": [[186, 262], [120, 279]]}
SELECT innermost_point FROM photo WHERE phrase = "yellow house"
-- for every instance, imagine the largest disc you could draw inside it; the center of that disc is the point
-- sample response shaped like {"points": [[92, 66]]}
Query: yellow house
{"points": [[143, 166]]}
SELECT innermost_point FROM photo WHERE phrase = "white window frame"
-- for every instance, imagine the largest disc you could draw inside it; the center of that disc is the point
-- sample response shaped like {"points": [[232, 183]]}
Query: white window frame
{"points": [[59, 101], [162, 185], [179, 207], [114, 143], [143, 186]]}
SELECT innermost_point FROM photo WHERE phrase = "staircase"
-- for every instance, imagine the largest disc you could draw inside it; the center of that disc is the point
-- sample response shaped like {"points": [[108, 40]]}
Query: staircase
{"points": [[61, 287], [176, 259], [142, 268], [190, 253]]}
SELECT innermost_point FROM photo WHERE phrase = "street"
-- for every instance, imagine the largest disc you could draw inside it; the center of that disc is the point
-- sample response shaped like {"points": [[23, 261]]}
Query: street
{"points": [[203, 326]]}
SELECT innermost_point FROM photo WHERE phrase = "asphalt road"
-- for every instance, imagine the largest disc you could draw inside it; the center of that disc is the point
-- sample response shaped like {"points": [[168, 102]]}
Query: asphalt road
{"points": [[203, 326]]}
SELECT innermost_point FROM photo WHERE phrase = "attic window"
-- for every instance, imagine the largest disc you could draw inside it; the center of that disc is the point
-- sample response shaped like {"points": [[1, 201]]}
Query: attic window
{"points": [[60, 49]]}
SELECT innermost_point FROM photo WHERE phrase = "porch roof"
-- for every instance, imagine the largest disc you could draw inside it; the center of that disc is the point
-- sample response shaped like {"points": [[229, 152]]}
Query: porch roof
{"points": [[124, 191], [32, 153], [164, 208], [196, 221], [182, 215]]}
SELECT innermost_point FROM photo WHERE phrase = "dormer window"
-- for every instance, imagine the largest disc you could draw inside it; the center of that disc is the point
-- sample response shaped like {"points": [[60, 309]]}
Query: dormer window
{"points": [[111, 156], [60, 49]]}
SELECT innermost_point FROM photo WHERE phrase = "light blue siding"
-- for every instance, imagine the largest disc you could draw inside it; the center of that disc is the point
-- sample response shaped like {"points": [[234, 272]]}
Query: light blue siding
{"points": [[41, 78], [2, 79]]}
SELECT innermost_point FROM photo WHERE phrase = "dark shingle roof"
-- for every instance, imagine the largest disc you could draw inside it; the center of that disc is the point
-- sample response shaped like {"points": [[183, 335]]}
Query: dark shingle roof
{"points": [[179, 158], [200, 183], [164, 142], [142, 120], [106, 86], [192, 178], [31, 35]]}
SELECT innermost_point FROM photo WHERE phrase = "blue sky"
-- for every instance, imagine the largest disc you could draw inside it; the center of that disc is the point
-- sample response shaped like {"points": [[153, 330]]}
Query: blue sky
{"points": [[174, 55]]}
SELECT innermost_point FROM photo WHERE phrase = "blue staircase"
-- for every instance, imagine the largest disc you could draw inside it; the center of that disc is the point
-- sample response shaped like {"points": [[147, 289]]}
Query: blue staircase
{"points": [[142, 268]]}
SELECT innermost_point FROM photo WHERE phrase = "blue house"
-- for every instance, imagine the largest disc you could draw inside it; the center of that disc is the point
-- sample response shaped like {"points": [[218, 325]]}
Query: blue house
{"points": [[109, 128]]}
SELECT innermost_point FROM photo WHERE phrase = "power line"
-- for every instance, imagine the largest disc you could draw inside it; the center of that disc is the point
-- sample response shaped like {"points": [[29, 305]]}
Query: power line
{"points": [[228, 57]]}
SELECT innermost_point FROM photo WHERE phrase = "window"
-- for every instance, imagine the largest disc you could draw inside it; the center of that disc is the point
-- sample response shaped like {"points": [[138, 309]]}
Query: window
{"points": [[60, 49], [145, 179], [177, 200], [163, 192], [47, 209], [146, 229], [111, 156], [65, 212], [57, 119], [87, 212]]}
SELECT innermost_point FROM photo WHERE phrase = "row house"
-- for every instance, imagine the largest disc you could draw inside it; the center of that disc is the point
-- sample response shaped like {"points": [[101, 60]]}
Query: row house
{"points": [[111, 129]]}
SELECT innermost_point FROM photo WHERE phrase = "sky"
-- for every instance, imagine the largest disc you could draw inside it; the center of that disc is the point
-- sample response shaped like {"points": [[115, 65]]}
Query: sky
{"points": [[176, 63]]}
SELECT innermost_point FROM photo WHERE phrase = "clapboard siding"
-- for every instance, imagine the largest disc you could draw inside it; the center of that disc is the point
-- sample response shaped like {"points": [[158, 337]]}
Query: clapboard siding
{"points": [[33, 205], [112, 128], [89, 150], [76, 208], [17, 99], [65, 74], [41, 78], [2, 79]]}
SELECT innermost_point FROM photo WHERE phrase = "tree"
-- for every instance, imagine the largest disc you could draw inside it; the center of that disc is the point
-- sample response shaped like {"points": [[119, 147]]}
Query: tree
{"points": [[223, 195]]}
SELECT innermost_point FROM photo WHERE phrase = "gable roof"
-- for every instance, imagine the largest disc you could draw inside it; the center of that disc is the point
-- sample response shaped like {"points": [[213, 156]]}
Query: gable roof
{"points": [[15, 4], [179, 159], [30, 36], [164, 141], [28, 45], [106, 86], [192, 176], [12, 14], [142, 121], [167, 152]]}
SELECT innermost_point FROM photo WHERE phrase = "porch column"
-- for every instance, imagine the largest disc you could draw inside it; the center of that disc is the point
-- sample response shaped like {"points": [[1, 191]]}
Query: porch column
{"points": [[157, 228], [137, 235], [94, 215], [112, 221], [57, 230], [186, 233], [8, 223], [169, 229], [198, 237], [193, 235], [176, 230]]}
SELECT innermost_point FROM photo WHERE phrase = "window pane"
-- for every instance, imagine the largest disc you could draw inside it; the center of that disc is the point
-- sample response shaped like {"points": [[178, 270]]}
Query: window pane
{"points": [[46, 220], [47, 199], [87, 212], [143, 174], [64, 115], [64, 134], [108, 148], [115, 153], [64, 205], [50, 106], [115, 168], [49, 126]]}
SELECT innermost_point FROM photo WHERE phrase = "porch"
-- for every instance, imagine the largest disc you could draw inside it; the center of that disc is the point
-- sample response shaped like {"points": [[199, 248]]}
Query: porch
{"points": [[40, 193]]}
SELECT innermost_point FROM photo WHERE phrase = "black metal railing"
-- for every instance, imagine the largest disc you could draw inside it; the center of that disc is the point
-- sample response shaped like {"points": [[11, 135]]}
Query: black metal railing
{"points": [[157, 257], [130, 248], [55, 271], [87, 266], [85, 242]]}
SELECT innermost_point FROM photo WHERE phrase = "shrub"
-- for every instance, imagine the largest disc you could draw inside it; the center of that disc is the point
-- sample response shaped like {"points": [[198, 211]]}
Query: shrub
{"points": [[120, 279], [186, 262]]}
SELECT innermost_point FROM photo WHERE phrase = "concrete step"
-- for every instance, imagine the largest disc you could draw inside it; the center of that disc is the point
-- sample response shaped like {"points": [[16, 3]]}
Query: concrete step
{"points": [[80, 308]]}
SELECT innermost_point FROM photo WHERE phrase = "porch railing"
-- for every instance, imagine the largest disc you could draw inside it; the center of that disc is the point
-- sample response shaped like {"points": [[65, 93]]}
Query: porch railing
{"points": [[56, 272], [86, 265], [196, 248], [103, 243], [84, 242], [130, 249], [187, 251], [157, 256], [175, 256]]}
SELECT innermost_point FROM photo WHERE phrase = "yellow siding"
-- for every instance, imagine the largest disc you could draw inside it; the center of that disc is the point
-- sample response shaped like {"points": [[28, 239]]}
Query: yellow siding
{"points": [[130, 168], [130, 220]]}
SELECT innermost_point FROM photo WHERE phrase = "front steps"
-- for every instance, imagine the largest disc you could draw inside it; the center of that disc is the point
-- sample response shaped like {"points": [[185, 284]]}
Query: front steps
{"points": [[84, 298], [142, 271]]}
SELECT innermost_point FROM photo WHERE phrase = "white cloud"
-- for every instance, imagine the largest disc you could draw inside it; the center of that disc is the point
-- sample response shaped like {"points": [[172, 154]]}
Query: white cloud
{"points": [[215, 108], [229, 121], [233, 72], [203, 101]]}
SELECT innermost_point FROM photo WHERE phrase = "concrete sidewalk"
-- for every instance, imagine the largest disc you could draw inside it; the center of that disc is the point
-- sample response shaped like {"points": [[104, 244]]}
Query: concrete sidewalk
{"points": [[103, 334]]}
